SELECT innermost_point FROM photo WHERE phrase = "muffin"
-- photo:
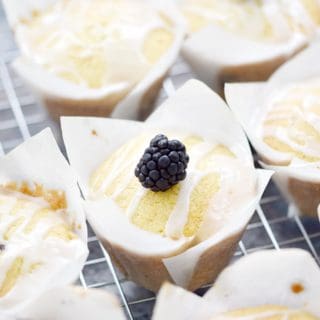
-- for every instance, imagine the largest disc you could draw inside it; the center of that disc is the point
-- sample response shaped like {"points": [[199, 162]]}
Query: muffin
{"points": [[43, 230], [164, 196], [281, 118], [232, 41], [73, 303], [97, 58], [270, 284]]}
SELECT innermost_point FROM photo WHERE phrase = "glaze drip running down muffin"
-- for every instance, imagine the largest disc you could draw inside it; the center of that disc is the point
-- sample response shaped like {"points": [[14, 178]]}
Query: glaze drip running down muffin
{"points": [[34, 232], [84, 41], [291, 125], [268, 312], [259, 20], [191, 208]]}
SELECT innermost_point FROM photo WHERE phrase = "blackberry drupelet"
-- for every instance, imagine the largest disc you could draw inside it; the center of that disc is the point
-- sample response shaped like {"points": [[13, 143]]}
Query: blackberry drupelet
{"points": [[163, 164]]}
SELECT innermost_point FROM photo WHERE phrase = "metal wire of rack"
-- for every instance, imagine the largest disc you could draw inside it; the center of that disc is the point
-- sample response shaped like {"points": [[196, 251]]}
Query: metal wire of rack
{"points": [[270, 227]]}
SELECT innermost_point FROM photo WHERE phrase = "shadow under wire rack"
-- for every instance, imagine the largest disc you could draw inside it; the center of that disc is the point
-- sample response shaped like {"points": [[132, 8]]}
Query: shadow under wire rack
{"points": [[270, 227]]}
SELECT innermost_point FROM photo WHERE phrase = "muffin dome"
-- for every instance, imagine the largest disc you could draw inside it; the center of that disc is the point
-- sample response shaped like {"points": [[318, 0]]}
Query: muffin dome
{"points": [[96, 43], [290, 124], [190, 208]]}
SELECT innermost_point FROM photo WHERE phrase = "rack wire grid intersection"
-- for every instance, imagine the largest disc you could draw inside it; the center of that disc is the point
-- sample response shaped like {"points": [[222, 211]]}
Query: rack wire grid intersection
{"points": [[271, 226]]}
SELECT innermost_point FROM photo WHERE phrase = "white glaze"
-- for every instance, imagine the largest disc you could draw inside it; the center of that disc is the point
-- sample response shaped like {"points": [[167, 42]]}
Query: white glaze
{"points": [[33, 245], [293, 104]]}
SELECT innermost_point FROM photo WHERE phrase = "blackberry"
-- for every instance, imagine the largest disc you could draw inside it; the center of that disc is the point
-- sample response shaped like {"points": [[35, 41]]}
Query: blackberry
{"points": [[163, 164]]}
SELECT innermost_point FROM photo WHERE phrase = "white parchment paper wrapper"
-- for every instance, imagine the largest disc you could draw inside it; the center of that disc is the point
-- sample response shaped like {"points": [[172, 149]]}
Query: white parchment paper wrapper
{"points": [[39, 160], [195, 109], [73, 302], [266, 278], [249, 102], [47, 85]]}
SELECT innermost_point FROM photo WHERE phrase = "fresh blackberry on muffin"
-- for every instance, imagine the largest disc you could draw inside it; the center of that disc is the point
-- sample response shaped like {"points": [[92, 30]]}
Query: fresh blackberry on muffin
{"points": [[163, 164]]}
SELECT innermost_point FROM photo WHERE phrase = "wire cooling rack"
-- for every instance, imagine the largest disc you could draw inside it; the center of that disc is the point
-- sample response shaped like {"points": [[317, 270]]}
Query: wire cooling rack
{"points": [[270, 227]]}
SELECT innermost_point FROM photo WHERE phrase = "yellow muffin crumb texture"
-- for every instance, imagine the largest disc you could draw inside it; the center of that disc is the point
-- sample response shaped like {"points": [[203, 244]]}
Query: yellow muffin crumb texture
{"points": [[12, 275], [157, 43], [154, 209], [61, 231], [200, 201], [313, 9]]}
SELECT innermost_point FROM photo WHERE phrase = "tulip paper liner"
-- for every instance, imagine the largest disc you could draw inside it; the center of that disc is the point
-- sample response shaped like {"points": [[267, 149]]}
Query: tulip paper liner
{"points": [[78, 99], [217, 55], [249, 102], [285, 278], [38, 162], [195, 109], [73, 302]]}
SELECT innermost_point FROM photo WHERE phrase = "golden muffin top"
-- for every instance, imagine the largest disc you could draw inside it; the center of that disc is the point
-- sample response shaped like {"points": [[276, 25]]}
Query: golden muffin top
{"points": [[195, 207]]}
